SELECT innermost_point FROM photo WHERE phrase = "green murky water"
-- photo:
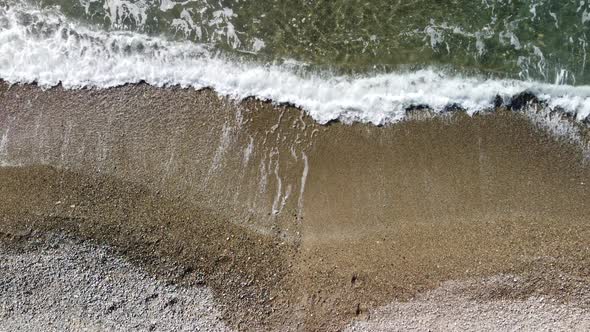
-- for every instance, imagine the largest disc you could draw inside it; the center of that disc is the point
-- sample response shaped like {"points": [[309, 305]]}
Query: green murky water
{"points": [[542, 40]]}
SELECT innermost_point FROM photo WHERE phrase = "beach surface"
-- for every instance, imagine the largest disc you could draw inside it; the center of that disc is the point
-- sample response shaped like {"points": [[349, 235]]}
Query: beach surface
{"points": [[244, 215]]}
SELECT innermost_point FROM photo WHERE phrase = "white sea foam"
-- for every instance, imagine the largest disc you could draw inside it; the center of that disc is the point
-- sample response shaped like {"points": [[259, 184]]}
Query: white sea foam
{"points": [[42, 46]]}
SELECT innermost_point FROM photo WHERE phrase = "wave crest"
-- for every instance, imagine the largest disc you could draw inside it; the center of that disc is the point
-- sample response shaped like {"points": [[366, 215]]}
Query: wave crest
{"points": [[43, 46]]}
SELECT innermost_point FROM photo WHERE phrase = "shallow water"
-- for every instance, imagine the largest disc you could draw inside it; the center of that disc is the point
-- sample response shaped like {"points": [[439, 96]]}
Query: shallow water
{"points": [[351, 61], [538, 39]]}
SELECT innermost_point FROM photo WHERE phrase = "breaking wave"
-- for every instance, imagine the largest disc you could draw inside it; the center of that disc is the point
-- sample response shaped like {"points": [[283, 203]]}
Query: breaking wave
{"points": [[42, 46]]}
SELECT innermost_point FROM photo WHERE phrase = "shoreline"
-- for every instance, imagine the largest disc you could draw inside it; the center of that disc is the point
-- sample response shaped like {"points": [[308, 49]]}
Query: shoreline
{"points": [[561, 123], [294, 225]]}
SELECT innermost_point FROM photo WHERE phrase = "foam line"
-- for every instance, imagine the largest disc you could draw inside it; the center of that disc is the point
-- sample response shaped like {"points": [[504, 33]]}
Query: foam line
{"points": [[47, 49]]}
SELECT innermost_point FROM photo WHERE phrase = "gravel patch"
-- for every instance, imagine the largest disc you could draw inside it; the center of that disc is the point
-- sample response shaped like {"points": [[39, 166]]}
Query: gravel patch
{"points": [[65, 285], [451, 307]]}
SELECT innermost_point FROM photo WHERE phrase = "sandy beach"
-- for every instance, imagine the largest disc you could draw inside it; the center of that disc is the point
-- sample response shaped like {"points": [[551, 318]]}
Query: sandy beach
{"points": [[255, 217]]}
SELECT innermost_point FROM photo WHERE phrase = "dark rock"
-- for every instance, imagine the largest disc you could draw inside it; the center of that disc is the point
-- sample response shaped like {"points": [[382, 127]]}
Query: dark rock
{"points": [[498, 101], [522, 100], [419, 107], [452, 108]]}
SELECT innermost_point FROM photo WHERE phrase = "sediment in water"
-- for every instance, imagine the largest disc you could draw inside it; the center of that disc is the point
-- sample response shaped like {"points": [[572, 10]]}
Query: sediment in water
{"points": [[295, 225]]}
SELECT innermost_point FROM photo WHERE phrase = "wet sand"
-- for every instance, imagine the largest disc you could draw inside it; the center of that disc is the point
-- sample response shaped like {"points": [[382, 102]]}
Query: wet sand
{"points": [[293, 225]]}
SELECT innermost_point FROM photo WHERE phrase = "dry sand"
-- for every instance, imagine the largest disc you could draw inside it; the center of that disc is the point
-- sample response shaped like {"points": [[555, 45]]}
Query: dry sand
{"points": [[55, 283], [296, 226], [52, 282], [452, 307]]}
